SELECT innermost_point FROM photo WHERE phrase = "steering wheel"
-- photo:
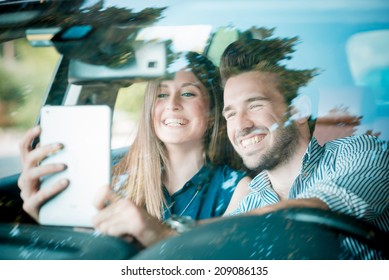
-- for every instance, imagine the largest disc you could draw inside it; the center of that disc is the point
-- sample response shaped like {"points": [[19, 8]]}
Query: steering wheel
{"points": [[297, 233], [34, 242]]}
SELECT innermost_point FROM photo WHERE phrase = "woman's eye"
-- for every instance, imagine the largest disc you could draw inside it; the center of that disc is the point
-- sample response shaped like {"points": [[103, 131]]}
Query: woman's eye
{"points": [[162, 95], [188, 94]]}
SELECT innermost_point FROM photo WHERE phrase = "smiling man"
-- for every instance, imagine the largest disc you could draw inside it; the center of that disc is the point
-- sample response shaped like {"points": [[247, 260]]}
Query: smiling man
{"points": [[274, 138]]}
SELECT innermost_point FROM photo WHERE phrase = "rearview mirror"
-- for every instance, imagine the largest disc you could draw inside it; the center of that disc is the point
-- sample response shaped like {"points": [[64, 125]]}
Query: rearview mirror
{"points": [[150, 62]]}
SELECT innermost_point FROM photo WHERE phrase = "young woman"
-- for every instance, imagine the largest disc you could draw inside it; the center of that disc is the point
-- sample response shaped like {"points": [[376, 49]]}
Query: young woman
{"points": [[176, 165]]}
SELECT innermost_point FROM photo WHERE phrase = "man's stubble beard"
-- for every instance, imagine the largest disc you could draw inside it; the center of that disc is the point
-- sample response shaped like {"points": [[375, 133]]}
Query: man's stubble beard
{"points": [[280, 152]]}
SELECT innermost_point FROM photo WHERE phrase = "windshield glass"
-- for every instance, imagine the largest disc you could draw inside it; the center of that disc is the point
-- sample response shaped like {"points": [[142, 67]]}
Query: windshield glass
{"points": [[158, 66], [21, 95]]}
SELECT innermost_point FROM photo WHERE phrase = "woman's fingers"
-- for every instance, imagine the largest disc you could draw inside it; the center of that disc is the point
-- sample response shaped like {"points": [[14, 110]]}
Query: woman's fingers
{"points": [[108, 212], [34, 157], [25, 144], [44, 170], [34, 201], [29, 179], [104, 197], [114, 211], [123, 218]]}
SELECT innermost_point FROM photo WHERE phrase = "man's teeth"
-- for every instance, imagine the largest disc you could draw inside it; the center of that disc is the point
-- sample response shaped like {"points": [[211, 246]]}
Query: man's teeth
{"points": [[252, 141], [175, 122]]}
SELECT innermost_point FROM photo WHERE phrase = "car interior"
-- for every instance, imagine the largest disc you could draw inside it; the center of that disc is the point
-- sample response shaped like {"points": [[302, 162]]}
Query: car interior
{"points": [[104, 48]]}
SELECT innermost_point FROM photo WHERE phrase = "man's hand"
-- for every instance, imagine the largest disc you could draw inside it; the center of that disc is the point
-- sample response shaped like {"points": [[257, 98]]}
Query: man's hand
{"points": [[292, 203]]}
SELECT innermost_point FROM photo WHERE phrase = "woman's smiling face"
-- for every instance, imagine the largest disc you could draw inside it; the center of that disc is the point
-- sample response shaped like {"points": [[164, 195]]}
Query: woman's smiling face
{"points": [[181, 111]]}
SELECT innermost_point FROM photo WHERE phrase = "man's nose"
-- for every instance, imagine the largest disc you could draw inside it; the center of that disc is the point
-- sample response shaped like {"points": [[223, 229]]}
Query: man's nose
{"points": [[243, 123]]}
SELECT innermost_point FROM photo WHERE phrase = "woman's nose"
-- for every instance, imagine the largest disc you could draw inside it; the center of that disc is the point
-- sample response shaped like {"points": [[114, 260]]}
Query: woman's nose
{"points": [[174, 103]]}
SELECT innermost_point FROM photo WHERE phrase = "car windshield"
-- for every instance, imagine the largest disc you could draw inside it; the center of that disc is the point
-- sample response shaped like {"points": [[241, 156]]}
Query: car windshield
{"points": [[347, 43], [111, 52]]}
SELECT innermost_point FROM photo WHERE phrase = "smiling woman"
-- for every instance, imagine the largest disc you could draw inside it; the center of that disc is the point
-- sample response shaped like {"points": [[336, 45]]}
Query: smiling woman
{"points": [[180, 122]]}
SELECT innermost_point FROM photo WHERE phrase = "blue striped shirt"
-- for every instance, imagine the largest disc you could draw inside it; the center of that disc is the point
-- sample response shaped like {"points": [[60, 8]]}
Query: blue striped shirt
{"points": [[351, 175]]}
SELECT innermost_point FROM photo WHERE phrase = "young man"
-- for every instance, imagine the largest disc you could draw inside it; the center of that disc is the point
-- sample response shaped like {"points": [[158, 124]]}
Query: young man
{"points": [[349, 175]]}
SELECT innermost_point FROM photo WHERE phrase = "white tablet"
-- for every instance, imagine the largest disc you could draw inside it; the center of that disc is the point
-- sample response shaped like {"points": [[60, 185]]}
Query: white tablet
{"points": [[85, 132]]}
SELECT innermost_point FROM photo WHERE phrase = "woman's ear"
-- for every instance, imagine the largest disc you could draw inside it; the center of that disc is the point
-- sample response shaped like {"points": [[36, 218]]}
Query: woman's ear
{"points": [[301, 109]]}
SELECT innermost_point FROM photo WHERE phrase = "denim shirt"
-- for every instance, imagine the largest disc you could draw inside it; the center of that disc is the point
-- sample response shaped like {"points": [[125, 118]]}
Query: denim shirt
{"points": [[206, 195]]}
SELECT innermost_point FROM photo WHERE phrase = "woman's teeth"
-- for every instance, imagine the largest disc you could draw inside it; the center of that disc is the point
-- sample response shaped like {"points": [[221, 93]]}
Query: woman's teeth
{"points": [[175, 122]]}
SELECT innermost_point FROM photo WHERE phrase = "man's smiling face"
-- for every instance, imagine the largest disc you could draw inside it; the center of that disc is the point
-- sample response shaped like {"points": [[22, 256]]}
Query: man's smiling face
{"points": [[256, 111]]}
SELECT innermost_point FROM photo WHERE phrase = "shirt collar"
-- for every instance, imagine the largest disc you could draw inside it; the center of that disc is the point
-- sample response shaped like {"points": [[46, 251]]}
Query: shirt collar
{"points": [[262, 181], [202, 175], [313, 150], [199, 179]]}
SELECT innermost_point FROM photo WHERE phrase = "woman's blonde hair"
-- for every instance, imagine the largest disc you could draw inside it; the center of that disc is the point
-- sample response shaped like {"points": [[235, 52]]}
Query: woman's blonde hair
{"points": [[146, 161]]}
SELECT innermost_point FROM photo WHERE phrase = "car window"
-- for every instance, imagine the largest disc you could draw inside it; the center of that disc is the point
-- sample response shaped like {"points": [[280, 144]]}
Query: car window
{"points": [[25, 73], [368, 58], [332, 38], [126, 115], [346, 43]]}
